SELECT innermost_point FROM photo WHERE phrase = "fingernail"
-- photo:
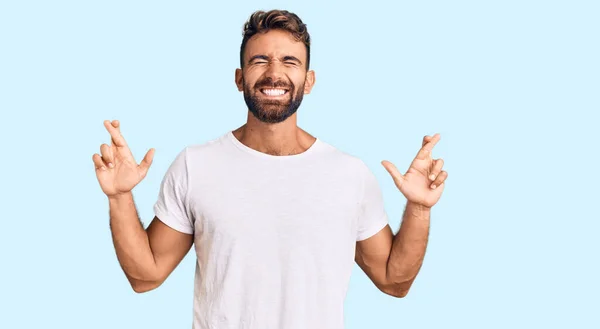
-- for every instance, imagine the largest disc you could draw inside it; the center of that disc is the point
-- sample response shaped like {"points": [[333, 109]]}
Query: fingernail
{"points": [[111, 165], [103, 168], [433, 187], [432, 177]]}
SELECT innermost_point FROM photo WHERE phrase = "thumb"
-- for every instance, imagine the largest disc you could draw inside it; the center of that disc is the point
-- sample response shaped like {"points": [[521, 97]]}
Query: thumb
{"points": [[146, 162], [396, 175]]}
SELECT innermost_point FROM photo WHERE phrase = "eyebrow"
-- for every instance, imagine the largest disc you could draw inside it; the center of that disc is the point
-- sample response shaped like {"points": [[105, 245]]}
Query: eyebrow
{"points": [[266, 58], [291, 58], [255, 57]]}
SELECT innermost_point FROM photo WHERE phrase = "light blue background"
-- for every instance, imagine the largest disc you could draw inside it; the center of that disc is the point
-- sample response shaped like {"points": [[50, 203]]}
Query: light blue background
{"points": [[512, 86]]}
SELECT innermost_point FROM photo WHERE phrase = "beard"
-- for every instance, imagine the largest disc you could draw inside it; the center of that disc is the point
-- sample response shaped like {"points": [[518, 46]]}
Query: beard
{"points": [[272, 111]]}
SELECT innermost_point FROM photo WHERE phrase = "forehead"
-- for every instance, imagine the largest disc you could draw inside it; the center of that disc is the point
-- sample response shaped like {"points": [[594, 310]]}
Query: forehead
{"points": [[275, 43]]}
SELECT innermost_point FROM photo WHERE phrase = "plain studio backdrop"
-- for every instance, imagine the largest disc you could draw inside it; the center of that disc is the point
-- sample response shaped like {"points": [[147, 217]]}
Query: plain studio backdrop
{"points": [[513, 87]]}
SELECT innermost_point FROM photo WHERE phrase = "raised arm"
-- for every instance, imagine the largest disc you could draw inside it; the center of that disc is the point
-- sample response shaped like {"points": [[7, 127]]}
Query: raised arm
{"points": [[146, 256], [391, 261]]}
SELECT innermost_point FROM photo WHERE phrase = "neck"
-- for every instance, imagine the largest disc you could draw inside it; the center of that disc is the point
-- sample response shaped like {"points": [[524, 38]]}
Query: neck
{"points": [[284, 138]]}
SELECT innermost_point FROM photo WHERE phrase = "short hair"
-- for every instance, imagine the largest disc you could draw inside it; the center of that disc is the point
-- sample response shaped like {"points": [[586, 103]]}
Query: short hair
{"points": [[264, 21]]}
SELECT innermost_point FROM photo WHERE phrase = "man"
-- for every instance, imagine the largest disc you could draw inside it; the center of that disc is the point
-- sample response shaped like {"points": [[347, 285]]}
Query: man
{"points": [[277, 217]]}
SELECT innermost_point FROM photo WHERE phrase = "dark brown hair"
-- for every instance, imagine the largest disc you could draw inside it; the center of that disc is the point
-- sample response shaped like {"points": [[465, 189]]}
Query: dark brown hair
{"points": [[262, 22]]}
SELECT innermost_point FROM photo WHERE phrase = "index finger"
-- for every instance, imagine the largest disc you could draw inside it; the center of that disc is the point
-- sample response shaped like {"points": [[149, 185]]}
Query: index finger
{"points": [[115, 133], [428, 147]]}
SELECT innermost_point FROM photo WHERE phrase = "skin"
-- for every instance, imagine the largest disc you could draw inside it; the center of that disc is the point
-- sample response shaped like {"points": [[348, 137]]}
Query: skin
{"points": [[391, 261], [148, 257], [275, 55]]}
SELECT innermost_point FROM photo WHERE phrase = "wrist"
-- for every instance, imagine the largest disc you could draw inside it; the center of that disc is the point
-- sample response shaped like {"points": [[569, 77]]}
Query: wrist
{"points": [[417, 207], [120, 198]]}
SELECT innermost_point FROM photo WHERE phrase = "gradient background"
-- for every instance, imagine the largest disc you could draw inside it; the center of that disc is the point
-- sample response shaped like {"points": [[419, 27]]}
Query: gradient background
{"points": [[512, 86]]}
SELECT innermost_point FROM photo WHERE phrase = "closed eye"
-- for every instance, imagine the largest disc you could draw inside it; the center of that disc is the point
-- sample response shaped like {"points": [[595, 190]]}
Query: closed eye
{"points": [[258, 59], [291, 60]]}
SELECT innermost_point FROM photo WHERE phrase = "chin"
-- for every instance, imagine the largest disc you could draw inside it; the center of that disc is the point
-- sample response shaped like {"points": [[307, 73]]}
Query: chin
{"points": [[273, 118], [272, 111]]}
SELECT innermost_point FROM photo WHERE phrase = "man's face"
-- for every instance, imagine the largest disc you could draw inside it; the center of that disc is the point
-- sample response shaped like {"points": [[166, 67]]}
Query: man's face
{"points": [[274, 78]]}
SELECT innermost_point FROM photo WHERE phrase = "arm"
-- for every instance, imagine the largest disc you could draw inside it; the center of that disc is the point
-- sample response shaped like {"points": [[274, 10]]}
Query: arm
{"points": [[146, 256], [393, 262]]}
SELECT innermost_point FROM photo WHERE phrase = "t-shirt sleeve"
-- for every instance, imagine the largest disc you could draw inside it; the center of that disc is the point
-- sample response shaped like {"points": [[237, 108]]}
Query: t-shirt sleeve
{"points": [[373, 216], [172, 207]]}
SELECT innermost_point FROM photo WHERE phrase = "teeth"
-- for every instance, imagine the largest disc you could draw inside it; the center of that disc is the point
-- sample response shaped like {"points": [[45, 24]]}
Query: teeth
{"points": [[273, 92]]}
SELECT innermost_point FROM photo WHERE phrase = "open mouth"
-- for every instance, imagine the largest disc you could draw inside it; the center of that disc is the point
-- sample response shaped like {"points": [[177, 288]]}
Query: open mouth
{"points": [[274, 92]]}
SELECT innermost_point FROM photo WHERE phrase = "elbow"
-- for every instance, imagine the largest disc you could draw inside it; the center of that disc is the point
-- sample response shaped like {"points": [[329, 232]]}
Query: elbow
{"points": [[398, 291], [141, 286], [139, 290], [397, 288]]}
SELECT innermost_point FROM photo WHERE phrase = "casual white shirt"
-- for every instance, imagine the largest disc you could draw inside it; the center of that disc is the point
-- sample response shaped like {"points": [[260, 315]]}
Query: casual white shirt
{"points": [[274, 236]]}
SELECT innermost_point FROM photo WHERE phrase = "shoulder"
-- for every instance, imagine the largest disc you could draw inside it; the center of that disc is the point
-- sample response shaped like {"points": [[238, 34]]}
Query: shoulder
{"points": [[193, 156], [205, 150], [344, 160]]}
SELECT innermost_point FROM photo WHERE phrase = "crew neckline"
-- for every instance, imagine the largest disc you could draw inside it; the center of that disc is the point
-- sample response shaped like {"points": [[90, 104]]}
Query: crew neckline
{"points": [[312, 149]]}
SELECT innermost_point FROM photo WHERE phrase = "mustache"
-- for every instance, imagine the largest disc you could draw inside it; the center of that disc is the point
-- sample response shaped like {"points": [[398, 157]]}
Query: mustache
{"points": [[269, 83]]}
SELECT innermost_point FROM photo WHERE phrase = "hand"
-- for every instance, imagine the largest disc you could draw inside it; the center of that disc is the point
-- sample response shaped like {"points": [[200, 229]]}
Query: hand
{"points": [[116, 169], [423, 183]]}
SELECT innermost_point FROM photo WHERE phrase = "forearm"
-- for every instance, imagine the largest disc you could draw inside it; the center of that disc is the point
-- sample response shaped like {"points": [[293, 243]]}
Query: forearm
{"points": [[408, 246], [131, 240]]}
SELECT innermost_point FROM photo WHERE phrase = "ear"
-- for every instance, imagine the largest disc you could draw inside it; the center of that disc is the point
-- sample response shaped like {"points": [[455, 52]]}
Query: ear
{"points": [[309, 82], [239, 79]]}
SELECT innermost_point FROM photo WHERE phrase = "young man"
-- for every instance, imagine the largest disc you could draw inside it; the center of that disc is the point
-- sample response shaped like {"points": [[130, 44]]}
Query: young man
{"points": [[277, 217]]}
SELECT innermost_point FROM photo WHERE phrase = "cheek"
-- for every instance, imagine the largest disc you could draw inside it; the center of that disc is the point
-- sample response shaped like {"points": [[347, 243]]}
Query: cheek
{"points": [[250, 77], [298, 80]]}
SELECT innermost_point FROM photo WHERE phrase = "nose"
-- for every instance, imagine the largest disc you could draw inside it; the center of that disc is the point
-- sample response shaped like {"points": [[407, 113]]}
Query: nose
{"points": [[274, 71]]}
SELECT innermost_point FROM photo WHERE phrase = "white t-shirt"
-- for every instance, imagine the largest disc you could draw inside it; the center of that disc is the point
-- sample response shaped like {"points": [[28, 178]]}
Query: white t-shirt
{"points": [[274, 236]]}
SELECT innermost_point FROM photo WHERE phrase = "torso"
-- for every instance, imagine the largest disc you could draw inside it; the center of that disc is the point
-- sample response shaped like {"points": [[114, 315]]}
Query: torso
{"points": [[274, 236]]}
